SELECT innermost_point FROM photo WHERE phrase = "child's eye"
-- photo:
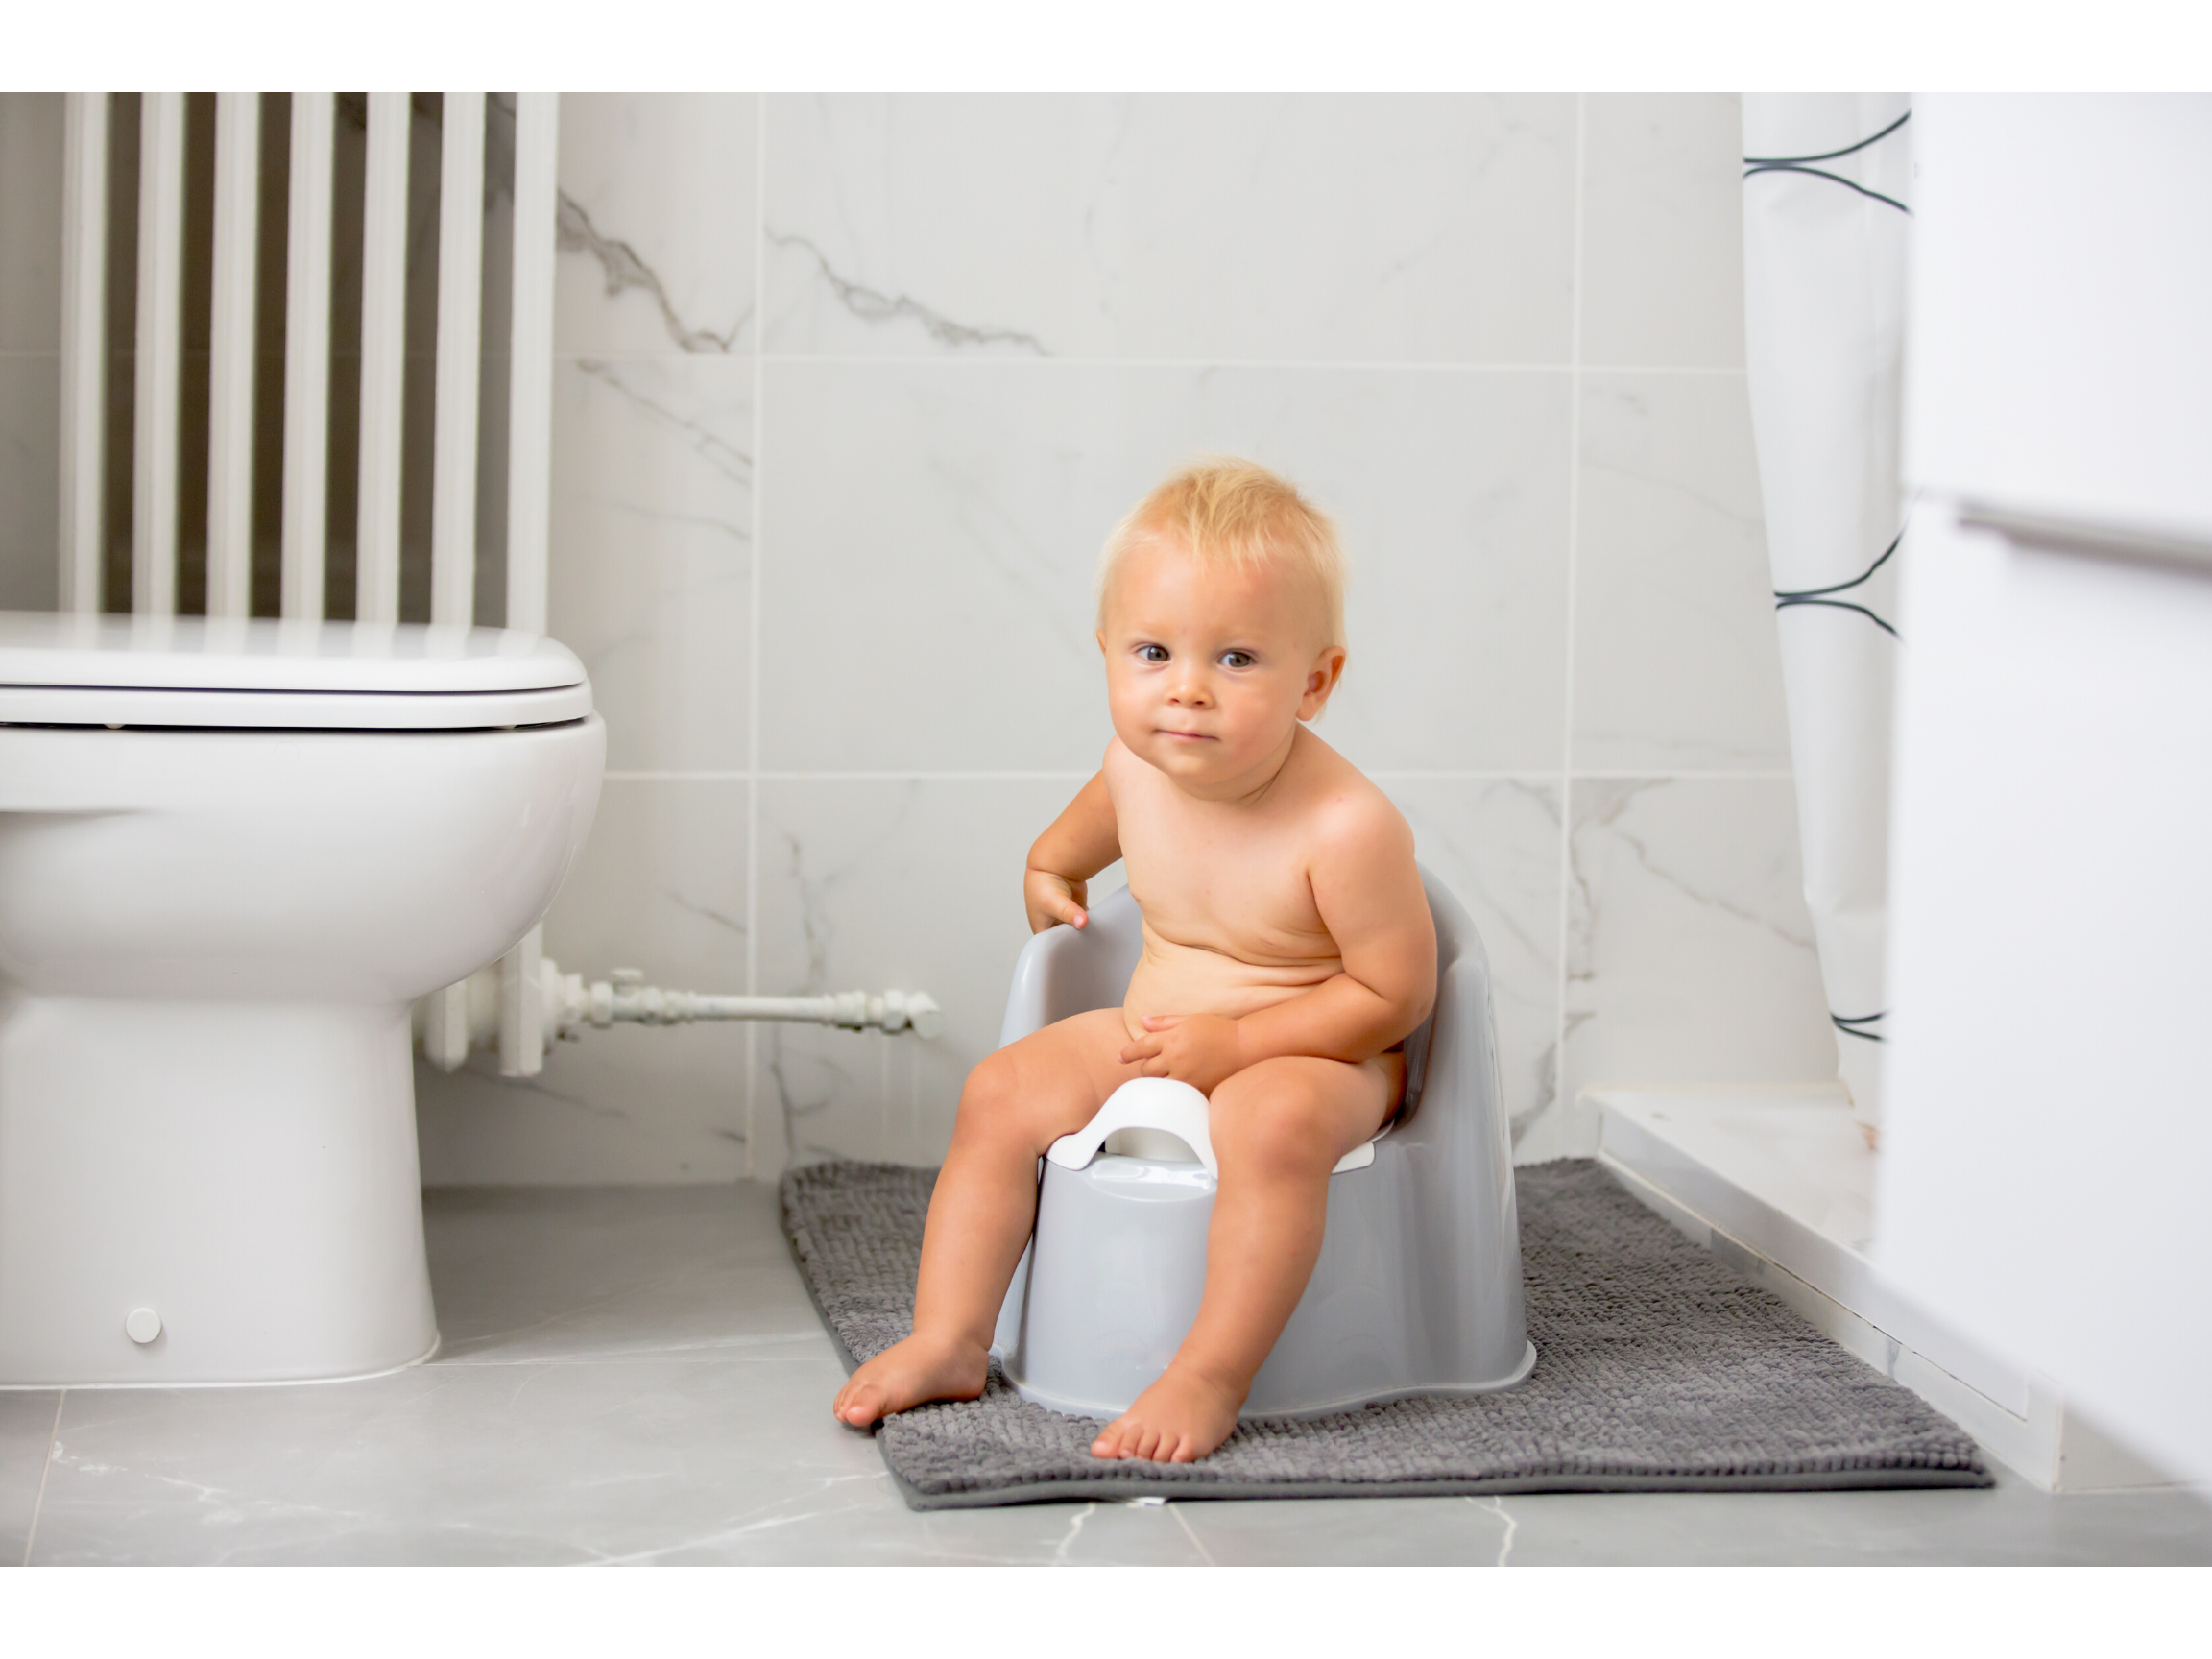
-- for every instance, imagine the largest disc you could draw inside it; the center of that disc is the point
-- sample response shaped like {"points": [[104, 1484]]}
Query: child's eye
{"points": [[1151, 652], [1237, 659]]}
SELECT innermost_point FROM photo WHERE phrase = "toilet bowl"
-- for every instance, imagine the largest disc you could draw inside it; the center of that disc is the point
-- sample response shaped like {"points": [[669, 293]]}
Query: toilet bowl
{"points": [[231, 853]]}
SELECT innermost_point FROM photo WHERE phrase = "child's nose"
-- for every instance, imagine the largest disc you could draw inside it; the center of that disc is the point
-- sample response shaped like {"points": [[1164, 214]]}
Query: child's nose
{"points": [[1189, 686]]}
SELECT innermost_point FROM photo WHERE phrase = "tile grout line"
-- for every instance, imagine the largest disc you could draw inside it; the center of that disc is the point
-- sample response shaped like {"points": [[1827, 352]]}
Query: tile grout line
{"points": [[1559, 1106], [1197, 1542], [39, 1504], [752, 649]]}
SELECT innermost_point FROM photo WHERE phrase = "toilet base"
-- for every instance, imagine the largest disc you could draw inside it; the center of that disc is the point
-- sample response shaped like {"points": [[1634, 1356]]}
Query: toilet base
{"points": [[245, 1171]]}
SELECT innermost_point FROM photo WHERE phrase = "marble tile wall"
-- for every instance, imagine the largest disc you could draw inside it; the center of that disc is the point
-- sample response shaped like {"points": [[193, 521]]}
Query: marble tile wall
{"points": [[850, 388]]}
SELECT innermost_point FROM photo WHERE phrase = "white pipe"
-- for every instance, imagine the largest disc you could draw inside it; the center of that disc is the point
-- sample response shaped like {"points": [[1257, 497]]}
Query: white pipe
{"points": [[523, 1028], [530, 397], [230, 356], [83, 346], [523, 1007], [474, 1012], [160, 347], [627, 998], [383, 357], [446, 1026], [460, 323], [308, 353]]}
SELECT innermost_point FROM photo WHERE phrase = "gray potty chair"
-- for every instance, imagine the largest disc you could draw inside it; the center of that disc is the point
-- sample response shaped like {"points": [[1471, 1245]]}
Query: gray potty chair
{"points": [[1418, 1287]]}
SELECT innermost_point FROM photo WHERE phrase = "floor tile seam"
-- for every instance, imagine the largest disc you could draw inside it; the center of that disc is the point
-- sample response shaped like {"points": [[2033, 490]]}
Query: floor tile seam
{"points": [[39, 1504], [1196, 1543]]}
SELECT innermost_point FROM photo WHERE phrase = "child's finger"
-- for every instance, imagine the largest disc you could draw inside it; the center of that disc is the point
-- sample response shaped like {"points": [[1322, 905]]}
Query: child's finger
{"points": [[1162, 1022]]}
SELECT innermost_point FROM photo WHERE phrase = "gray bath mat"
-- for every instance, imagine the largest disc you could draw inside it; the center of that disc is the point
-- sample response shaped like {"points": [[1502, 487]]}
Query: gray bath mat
{"points": [[1657, 1369]]}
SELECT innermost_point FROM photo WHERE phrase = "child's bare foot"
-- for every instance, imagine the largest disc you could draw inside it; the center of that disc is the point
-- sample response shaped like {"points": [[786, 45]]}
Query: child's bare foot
{"points": [[1178, 1420], [908, 1373]]}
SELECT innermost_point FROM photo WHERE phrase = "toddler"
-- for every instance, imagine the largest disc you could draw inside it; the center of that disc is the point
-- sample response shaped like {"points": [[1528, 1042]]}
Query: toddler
{"points": [[1287, 952]]}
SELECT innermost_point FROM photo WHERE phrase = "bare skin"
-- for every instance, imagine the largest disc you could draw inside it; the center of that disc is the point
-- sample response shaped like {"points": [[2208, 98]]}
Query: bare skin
{"points": [[1287, 951]]}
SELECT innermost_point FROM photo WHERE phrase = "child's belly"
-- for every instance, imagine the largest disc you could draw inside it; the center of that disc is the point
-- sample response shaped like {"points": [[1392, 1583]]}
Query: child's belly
{"points": [[1173, 978]]}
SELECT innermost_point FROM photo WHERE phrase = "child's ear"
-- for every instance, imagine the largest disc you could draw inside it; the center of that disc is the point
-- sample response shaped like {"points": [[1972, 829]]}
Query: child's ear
{"points": [[1100, 637], [1321, 682]]}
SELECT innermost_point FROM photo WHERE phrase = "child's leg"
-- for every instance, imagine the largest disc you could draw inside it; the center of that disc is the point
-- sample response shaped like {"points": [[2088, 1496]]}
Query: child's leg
{"points": [[1015, 1104], [1278, 1128]]}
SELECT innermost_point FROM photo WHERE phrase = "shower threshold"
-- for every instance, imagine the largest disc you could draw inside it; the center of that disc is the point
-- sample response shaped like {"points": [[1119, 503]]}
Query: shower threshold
{"points": [[1780, 1184]]}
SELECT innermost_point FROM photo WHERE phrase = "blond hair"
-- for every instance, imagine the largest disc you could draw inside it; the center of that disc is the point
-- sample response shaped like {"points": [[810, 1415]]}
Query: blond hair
{"points": [[1227, 512]]}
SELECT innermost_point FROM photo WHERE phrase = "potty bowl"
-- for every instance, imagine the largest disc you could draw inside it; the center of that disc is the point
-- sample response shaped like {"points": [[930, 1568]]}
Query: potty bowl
{"points": [[1417, 1289]]}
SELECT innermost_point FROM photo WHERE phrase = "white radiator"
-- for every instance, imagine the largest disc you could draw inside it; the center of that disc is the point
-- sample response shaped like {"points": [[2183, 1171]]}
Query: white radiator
{"points": [[159, 336], [158, 344]]}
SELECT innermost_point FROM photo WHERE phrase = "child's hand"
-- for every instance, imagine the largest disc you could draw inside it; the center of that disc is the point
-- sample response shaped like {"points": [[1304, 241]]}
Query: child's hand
{"points": [[1051, 898], [1200, 1049]]}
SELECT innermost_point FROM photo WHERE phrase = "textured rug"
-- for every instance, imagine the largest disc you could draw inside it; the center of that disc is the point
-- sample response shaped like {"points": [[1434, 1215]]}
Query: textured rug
{"points": [[1657, 1369]]}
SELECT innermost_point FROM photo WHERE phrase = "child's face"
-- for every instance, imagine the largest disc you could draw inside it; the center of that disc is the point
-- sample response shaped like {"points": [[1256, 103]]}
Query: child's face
{"points": [[1210, 670]]}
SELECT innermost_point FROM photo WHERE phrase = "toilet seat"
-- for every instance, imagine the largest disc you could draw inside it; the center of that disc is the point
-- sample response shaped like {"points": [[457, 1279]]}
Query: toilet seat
{"points": [[193, 672]]}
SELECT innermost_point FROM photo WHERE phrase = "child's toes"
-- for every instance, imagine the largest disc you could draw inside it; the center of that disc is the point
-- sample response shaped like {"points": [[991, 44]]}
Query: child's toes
{"points": [[860, 1405]]}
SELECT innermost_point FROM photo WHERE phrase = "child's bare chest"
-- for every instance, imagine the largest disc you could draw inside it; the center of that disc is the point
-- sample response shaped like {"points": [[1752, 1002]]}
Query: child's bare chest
{"points": [[1220, 879]]}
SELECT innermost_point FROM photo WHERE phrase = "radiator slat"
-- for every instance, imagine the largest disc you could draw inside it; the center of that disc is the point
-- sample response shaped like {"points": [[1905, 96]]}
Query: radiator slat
{"points": [[160, 347], [460, 327], [529, 484], [83, 346], [383, 357], [230, 356], [530, 398], [308, 353]]}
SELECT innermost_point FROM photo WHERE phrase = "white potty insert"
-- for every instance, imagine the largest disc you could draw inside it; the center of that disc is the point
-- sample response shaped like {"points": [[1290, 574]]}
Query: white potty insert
{"points": [[1159, 1119]]}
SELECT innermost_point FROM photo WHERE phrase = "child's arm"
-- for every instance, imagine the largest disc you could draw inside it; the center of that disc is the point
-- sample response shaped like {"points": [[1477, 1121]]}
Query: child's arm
{"points": [[1082, 841], [1368, 891]]}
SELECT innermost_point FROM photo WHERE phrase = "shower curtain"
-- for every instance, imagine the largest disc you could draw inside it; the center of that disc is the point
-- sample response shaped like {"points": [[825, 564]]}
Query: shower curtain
{"points": [[1827, 188]]}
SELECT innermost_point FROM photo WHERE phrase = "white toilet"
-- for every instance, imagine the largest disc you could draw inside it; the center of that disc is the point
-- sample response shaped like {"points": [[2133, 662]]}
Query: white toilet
{"points": [[231, 853]]}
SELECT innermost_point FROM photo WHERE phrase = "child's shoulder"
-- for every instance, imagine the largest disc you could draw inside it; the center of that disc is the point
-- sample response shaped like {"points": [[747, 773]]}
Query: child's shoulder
{"points": [[1347, 809]]}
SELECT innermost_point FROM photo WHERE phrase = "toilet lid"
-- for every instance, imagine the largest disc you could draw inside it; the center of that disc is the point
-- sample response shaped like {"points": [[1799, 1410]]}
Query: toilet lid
{"points": [[190, 671]]}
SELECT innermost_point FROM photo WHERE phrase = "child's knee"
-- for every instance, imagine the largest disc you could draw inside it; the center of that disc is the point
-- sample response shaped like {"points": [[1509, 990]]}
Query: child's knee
{"points": [[1002, 1105], [1276, 1123], [988, 1098]]}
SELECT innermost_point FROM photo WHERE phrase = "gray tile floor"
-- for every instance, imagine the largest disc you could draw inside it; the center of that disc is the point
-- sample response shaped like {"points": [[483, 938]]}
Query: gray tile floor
{"points": [[635, 1374]]}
